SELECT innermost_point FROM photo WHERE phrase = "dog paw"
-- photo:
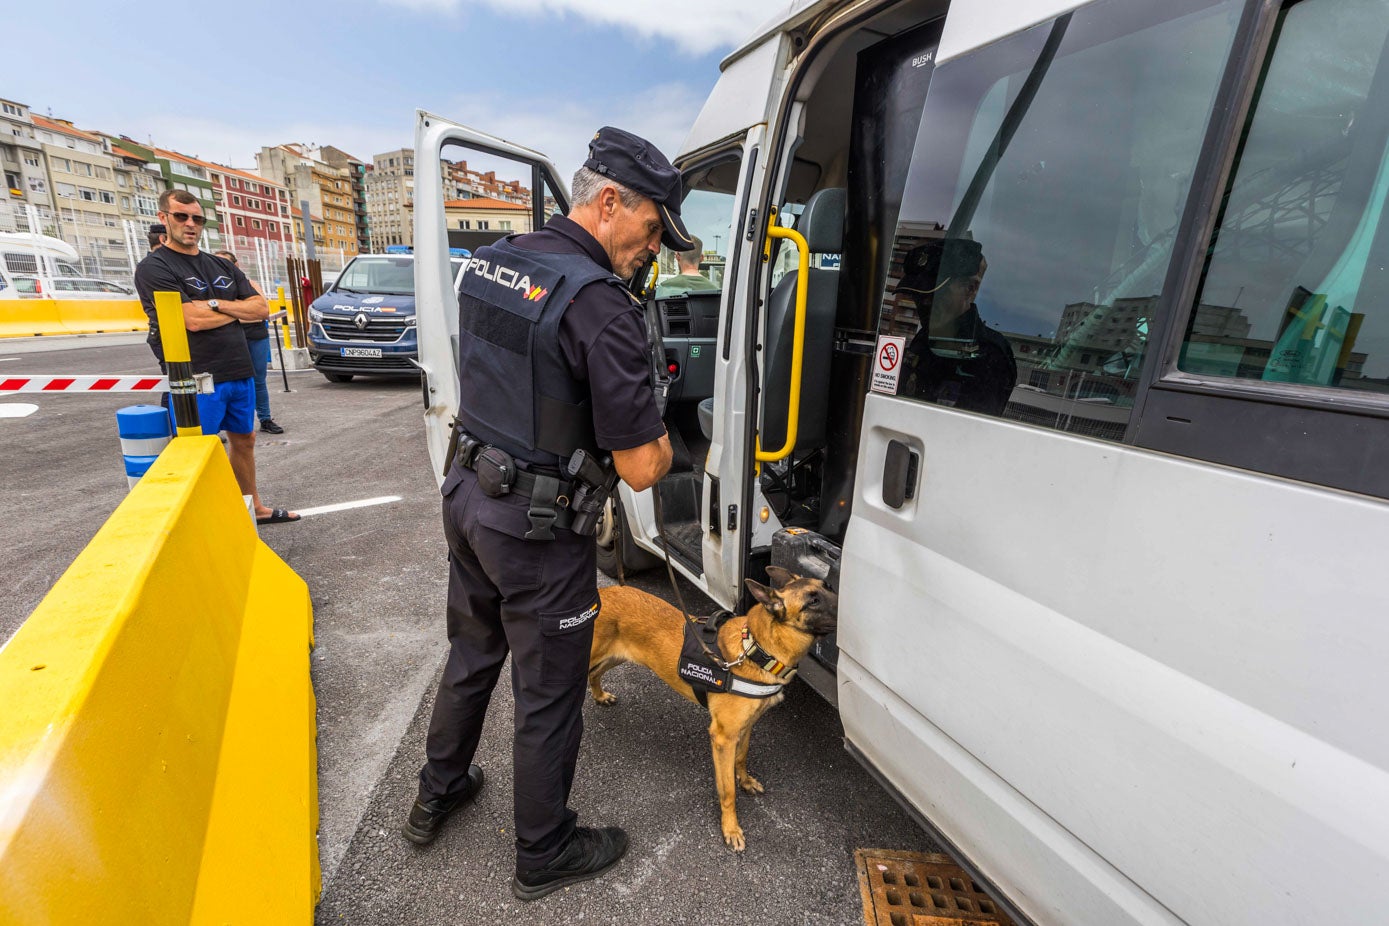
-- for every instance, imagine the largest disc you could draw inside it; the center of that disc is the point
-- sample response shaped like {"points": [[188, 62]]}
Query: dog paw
{"points": [[605, 697], [751, 785], [733, 838]]}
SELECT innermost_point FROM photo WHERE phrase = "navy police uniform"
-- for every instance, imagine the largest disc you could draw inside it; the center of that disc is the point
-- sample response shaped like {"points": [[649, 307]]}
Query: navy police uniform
{"points": [[552, 357]]}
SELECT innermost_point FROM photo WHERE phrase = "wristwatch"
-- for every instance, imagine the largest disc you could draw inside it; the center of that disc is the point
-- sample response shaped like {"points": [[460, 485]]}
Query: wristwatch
{"points": [[214, 305]]}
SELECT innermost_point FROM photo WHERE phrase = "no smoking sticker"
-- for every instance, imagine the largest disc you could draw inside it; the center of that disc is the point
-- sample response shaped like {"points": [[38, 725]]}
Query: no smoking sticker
{"points": [[887, 363]]}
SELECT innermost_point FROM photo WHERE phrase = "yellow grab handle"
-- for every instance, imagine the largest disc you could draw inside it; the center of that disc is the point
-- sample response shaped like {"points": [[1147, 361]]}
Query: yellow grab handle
{"points": [[793, 404]]}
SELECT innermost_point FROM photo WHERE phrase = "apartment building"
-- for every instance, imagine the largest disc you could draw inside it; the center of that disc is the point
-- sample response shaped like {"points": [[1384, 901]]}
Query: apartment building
{"points": [[82, 177], [184, 172], [304, 173], [357, 171], [390, 190], [480, 214], [25, 168]]}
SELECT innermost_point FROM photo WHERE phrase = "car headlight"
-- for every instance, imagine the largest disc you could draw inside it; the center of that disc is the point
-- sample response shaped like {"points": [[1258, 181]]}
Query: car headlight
{"points": [[315, 315], [408, 320]]}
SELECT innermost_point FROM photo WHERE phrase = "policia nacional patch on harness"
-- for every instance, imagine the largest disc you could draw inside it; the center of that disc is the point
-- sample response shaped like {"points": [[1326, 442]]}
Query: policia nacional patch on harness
{"points": [[702, 672]]}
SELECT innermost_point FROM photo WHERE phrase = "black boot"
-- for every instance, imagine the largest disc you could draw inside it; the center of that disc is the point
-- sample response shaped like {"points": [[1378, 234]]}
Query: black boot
{"points": [[427, 817], [587, 854]]}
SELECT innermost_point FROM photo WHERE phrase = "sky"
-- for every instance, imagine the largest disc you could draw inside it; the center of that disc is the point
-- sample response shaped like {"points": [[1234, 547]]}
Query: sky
{"points": [[220, 81]]}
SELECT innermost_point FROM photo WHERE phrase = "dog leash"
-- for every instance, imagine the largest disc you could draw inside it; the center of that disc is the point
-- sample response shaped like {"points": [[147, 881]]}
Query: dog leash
{"points": [[675, 585]]}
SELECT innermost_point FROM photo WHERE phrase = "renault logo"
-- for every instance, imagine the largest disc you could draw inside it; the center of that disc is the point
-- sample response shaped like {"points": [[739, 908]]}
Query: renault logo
{"points": [[361, 321]]}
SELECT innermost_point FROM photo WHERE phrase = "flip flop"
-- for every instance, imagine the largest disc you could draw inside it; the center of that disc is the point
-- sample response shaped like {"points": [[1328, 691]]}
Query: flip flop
{"points": [[278, 516]]}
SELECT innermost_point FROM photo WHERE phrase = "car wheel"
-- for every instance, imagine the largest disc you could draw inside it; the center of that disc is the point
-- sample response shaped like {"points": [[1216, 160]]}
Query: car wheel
{"points": [[336, 377], [615, 544]]}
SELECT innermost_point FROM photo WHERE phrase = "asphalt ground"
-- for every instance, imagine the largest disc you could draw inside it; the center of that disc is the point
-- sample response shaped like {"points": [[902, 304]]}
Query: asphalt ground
{"points": [[377, 578]]}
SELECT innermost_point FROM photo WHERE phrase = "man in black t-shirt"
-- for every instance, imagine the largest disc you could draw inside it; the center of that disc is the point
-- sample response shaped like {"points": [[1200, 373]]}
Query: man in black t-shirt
{"points": [[216, 298]]}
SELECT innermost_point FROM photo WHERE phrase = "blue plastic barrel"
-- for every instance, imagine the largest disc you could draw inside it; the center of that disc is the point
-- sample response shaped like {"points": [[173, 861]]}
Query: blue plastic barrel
{"points": [[144, 430]]}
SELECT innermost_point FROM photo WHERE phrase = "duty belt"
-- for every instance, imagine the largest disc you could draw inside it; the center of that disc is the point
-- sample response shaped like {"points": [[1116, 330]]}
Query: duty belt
{"points": [[549, 495]]}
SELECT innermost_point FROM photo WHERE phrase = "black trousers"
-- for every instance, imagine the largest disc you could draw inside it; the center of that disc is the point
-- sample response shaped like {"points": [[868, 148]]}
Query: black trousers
{"points": [[538, 601]]}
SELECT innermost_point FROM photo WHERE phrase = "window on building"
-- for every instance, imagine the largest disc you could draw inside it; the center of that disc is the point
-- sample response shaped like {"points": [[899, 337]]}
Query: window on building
{"points": [[482, 225], [108, 197], [62, 164], [88, 194], [13, 182], [255, 223], [11, 109], [121, 181], [125, 203], [103, 173], [233, 183], [85, 169], [239, 222], [236, 200], [31, 161]]}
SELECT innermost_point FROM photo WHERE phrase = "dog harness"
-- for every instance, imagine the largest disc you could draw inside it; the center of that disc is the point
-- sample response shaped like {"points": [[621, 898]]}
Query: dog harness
{"points": [[704, 671]]}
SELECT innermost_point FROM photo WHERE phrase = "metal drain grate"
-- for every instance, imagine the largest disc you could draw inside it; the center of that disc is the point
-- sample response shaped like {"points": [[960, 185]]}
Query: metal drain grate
{"points": [[921, 889]]}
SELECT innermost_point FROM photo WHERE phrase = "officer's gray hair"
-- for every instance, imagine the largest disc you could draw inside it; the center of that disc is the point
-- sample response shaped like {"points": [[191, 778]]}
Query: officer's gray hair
{"points": [[588, 183]]}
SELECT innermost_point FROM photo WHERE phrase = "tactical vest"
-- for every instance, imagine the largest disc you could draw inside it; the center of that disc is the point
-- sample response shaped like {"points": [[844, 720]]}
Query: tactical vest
{"points": [[515, 388]]}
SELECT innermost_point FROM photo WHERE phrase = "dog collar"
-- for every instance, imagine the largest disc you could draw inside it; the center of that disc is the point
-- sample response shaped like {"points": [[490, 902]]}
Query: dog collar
{"points": [[756, 655]]}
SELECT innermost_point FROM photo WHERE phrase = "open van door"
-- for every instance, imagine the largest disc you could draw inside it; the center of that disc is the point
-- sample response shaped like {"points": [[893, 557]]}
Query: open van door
{"points": [[436, 299]]}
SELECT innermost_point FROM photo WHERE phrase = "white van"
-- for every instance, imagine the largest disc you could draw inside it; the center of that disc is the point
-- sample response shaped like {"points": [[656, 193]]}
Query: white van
{"points": [[1107, 532]]}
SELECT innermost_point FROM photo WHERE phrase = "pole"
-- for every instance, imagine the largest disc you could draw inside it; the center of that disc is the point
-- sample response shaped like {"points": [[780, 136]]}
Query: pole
{"points": [[310, 249], [279, 342], [173, 336]]}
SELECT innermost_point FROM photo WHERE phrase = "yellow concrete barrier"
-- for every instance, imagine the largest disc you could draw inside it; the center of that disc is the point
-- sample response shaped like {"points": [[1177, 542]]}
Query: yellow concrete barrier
{"points": [[157, 755], [22, 318], [92, 316], [25, 318]]}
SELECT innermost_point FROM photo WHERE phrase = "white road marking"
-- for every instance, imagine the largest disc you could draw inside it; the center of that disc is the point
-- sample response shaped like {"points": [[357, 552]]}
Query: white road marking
{"points": [[345, 506], [4, 359], [17, 410]]}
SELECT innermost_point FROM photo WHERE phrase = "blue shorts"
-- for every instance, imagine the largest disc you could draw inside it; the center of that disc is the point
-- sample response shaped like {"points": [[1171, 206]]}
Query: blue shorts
{"points": [[230, 408]]}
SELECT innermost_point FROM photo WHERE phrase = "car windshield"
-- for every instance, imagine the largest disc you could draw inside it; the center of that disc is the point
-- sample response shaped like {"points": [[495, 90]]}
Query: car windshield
{"points": [[387, 276]]}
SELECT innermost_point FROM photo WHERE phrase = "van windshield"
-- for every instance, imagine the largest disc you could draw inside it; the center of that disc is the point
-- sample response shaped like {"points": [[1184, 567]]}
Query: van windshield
{"points": [[387, 276]]}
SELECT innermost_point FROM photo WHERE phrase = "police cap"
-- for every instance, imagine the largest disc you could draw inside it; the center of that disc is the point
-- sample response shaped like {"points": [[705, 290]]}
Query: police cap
{"points": [[927, 268], [637, 164]]}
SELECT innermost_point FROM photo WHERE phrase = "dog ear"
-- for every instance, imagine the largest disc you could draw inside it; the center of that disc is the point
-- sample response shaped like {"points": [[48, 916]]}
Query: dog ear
{"points": [[781, 577], [768, 598]]}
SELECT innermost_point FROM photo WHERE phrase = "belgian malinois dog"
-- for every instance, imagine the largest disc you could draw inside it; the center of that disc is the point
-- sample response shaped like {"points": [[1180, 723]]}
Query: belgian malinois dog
{"points": [[636, 627]]}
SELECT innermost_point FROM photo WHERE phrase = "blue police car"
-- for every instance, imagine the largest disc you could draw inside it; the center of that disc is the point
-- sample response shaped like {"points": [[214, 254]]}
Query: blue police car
{"points": [[365, 321]]}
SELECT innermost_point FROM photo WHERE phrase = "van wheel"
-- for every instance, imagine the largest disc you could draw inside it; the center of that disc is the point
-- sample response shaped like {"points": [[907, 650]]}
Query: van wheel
{"points": [[336, 377], [614, 544]]}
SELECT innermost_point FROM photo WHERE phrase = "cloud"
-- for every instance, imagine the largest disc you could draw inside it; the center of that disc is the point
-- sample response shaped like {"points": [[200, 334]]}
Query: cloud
{"points": [[712, 25], [562, 131]]}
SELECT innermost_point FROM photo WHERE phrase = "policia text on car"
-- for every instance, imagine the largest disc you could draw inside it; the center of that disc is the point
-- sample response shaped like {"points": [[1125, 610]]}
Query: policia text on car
{"points": [[554, 377]]}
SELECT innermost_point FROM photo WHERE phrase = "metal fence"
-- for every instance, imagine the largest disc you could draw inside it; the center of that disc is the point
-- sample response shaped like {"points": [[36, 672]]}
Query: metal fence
{"points": [[109, 249]]}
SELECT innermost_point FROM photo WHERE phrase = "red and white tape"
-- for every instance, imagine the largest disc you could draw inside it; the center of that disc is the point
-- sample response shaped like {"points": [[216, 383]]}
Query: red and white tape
{"points": [[50, 383]]}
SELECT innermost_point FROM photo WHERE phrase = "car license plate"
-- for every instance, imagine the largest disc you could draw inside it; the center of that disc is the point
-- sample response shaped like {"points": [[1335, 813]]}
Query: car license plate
{"points": [[361, 352]]}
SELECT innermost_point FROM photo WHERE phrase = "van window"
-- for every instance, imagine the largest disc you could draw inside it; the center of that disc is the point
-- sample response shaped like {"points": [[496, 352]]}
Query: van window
{"points": [[707, 211], [1047, 183], [1296, 285]]}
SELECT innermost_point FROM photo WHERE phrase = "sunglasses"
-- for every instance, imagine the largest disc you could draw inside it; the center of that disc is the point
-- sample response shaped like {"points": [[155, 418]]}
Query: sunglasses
{"points": [[182, 217]]}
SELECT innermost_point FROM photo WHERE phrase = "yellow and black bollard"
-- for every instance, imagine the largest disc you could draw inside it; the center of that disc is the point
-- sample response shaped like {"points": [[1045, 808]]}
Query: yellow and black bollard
{"points": [[183, 390]]}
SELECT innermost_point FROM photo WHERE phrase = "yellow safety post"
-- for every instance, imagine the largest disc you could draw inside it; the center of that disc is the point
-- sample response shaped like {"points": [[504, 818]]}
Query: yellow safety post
{"points": [[173, 337], [282, 306], [793, 404]]}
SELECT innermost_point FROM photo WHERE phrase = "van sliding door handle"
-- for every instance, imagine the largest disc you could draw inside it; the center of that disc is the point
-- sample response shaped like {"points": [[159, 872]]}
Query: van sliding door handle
{"points": [[900, 469]]}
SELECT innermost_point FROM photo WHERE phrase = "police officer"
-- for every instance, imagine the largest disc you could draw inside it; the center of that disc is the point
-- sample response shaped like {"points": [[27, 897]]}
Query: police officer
{"points": [[553, 359]]}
